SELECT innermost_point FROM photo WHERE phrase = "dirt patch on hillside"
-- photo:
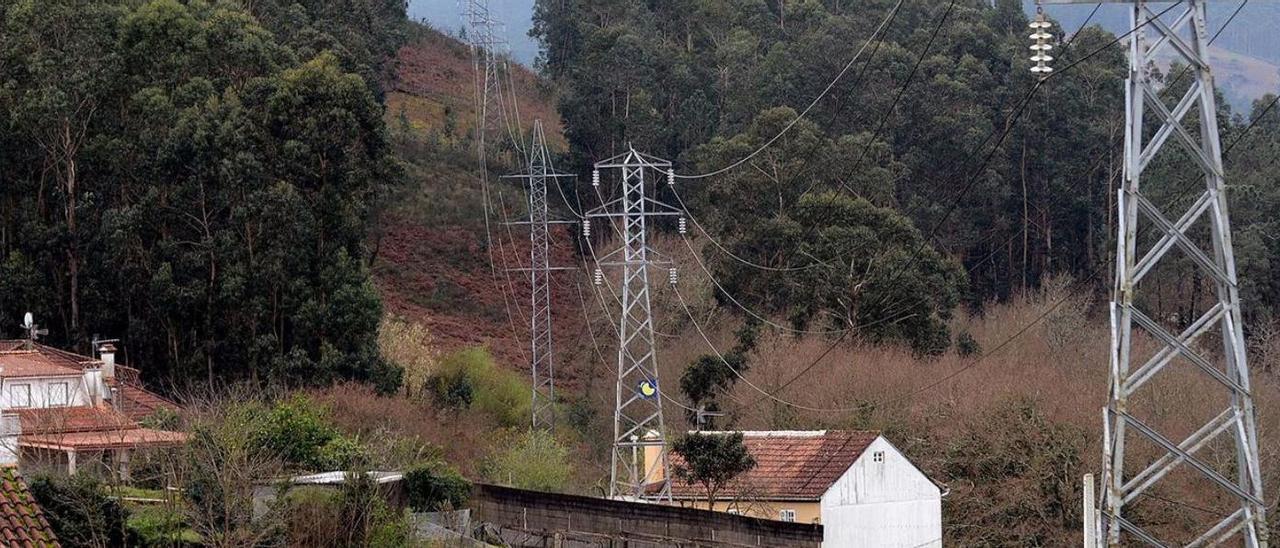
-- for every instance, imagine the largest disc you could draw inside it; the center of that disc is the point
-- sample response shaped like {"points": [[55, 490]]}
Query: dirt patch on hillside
{"points": [[436, 81], [441, 278]]}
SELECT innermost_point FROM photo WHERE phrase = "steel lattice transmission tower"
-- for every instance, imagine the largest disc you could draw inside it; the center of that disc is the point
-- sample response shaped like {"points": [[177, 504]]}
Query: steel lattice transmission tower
{"points": [[542, 363], [1186, 38], [487, 46], [637, 418]]}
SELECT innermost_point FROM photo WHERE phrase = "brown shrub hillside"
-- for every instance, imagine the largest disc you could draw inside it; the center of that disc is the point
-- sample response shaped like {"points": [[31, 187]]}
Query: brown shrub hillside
{"points": [[1010, 430]]}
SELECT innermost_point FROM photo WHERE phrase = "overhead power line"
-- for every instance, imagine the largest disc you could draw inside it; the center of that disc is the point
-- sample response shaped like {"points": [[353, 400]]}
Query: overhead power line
{"points": [[906, 84], [883, 24], [1012, 121]]}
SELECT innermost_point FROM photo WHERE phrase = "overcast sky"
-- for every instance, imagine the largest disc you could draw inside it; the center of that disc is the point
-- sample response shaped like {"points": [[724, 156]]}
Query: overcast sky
{"points": [[1252, 31], [515, 14]]}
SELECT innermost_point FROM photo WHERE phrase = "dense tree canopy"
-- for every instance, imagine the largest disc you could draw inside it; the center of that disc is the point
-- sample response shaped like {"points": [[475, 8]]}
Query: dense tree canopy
{"points": [[1013, 181], [178, 176]]}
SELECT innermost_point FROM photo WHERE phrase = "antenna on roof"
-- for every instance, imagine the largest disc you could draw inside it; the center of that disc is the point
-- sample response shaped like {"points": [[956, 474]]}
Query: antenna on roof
{"points": [[33, 331], [98, 344], [703, 416]]}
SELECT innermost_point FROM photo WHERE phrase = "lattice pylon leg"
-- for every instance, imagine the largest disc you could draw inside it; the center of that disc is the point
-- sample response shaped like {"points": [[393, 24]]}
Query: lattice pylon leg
{"points": [[1187, 37]]}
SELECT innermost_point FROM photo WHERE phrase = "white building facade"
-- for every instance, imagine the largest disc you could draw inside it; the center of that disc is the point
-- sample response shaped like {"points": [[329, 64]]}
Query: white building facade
{"points": [[862, 490], [882, 500]]}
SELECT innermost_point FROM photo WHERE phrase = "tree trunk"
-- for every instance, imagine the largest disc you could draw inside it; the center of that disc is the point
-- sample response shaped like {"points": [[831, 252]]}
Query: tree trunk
{"points": [[1026, 233], [70, 187]]}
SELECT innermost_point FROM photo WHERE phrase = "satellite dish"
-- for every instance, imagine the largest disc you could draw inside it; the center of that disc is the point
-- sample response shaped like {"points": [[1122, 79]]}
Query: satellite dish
{"points": [[28, 320]]}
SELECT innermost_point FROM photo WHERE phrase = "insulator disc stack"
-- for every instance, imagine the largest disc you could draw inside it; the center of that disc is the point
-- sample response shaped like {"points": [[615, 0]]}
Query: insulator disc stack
{"points": [[586, 228], [672, 276], [598, 277], [1040, 45], [595, 177], [684, 226]]}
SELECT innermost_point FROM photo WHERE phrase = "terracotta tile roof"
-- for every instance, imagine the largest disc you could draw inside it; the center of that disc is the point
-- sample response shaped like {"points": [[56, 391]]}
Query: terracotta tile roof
{"points": [[138, 401], [54, 355], [22, 523], [85, 441], [789, 465], [33, 363], [61, 420]]}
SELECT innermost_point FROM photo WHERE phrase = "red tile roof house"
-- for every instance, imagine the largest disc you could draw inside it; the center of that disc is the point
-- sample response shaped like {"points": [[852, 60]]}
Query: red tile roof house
{"points": [[860, 487], [22, 522], [57, 407]]}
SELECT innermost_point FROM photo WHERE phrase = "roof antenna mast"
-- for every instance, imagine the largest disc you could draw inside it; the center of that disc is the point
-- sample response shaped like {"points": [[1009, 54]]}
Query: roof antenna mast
{"points": [[33, 330]]}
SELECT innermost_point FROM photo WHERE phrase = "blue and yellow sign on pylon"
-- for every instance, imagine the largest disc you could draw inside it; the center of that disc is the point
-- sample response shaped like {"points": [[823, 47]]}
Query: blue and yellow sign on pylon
{"points": [[648, 389]]}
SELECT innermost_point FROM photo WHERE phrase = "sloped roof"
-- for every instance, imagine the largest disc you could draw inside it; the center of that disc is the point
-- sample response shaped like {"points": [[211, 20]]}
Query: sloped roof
{"points": [[101, 440], [31, 363], [140, 403], [22, 523], [63, 420], [790, 465]]}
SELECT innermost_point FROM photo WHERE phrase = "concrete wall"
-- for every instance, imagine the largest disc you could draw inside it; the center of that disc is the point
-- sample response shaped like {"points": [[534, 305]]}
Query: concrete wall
{"points": [[887, 503], [530, 518]]}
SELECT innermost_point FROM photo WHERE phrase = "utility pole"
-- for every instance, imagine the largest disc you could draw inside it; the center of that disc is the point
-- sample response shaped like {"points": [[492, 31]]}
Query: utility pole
{"points": [[1185, 36], [637, 418], [542, 364]]}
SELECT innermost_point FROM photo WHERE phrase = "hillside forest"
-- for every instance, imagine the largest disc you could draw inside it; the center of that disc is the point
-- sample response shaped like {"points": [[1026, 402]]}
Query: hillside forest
{"points": [[280, 197]]}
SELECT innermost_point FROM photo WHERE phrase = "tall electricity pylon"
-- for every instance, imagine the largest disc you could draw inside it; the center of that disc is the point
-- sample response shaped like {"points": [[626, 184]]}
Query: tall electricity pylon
{"points": [[1185, 36], [637, 417], [487, 46], [542, 363]]}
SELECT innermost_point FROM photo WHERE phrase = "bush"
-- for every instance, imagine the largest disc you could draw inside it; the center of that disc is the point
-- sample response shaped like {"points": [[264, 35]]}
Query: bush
{"points": [[79, 511], [435, 487], [301, 432], [341, 453], [162, 418], [409, 346], [353, 516], [469, 378], [1017, 477], [161, 526], [967, 346], [451, 391], [533, 460]]}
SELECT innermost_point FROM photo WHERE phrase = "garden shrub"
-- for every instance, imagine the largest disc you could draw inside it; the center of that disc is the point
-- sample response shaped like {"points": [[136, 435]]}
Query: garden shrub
{"points": [[532, 460], [470, 379], [435, 488]]}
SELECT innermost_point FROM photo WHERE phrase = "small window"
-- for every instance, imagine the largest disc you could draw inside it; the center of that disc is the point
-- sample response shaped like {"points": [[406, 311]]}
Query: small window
{"points": [[59, 394], [878, 456], [787, 515], [20, 395]]}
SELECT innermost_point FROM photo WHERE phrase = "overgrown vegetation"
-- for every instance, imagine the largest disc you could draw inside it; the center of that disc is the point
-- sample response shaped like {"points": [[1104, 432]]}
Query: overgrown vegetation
{"points": [[532, 459], [469, 379], [436, 488], [80, 512]]}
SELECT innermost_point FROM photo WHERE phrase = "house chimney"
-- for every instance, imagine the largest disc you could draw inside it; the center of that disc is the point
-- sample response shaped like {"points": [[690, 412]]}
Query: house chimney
{"points": [[10, 429], [107, 354], [94, 385]]}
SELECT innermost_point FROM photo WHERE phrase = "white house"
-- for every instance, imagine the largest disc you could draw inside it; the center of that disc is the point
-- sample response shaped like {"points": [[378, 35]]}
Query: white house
{"points": [[57, 406], [861, 488]]}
